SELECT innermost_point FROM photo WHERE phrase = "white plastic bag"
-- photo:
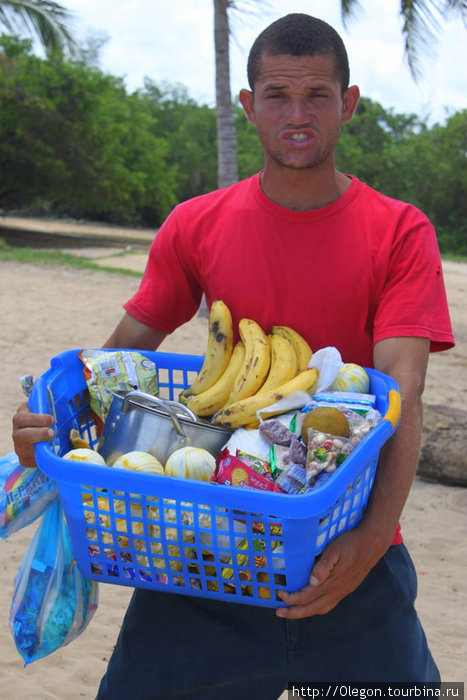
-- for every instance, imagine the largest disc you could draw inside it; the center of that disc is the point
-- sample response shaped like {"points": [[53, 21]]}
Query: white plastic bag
{"points": [[328, 362]]}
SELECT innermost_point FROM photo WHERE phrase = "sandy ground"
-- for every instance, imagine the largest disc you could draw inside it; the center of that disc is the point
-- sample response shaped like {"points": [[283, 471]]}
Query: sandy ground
{"points": [[48, 309]]}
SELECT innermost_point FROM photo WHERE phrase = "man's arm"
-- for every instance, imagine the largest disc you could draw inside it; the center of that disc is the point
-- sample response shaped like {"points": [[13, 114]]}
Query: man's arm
{"points": [[348, 559], [29, 428], [131, 333]]}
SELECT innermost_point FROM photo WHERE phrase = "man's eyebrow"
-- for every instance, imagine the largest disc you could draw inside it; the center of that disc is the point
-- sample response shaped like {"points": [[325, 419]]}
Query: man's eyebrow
{"points": [[318, 88], [311, 88]]}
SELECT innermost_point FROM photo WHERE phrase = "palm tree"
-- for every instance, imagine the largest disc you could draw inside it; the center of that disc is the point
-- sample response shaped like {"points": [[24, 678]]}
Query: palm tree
{"points": [[420, 24], [44, 20], [227, 168]]}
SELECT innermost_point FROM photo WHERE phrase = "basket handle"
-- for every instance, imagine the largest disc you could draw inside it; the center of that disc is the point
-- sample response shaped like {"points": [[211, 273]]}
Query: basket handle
{"points": [[394, 408]]}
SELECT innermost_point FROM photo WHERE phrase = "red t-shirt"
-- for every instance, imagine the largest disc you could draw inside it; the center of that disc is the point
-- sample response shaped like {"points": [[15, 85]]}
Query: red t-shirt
{"points": [[364, 268]]}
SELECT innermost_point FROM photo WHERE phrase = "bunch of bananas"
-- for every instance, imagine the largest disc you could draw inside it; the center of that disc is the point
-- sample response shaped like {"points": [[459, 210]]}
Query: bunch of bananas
{"points": [[236, 381]]}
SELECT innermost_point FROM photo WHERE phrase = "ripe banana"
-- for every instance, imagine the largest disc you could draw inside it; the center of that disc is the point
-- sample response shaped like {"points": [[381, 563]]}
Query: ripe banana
{"points": [[302, 349], [256, 363], [283, 363], [218, 351], [212, 400], [243, 412]]}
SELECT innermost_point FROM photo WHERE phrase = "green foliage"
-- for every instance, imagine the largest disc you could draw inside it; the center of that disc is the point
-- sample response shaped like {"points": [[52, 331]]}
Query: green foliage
{"points": [[74, 142], [190, 132]]}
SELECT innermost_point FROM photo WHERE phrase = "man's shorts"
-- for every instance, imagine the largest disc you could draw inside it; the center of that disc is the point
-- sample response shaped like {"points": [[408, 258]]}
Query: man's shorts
{"points": [[175, 647]]}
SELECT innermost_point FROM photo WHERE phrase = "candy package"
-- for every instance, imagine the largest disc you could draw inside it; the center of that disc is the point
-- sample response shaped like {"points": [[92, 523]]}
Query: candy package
{"points": [[25, 494], [52, 601], [325, 453]]}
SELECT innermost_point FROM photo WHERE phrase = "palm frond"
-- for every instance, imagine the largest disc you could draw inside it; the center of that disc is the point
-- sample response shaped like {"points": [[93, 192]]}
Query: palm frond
{"points": [[420, 26], [256, 9], [348, 9], [44, 19], [457, 6]]}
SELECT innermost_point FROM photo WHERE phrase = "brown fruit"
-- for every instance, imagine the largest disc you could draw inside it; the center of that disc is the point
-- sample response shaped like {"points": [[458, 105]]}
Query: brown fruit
{"points": [[326, 419]]}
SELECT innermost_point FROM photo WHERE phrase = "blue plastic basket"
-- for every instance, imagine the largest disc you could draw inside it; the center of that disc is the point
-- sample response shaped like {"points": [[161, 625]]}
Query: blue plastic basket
{"points": [[189, 537]]}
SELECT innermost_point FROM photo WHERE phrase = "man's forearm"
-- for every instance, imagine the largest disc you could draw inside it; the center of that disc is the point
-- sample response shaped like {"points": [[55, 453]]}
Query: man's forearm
{"points": [[405, 359], [396, 470]]}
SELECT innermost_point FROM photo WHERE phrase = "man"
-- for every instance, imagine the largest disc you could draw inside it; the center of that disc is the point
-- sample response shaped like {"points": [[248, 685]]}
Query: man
{"points": [[304, 245]]}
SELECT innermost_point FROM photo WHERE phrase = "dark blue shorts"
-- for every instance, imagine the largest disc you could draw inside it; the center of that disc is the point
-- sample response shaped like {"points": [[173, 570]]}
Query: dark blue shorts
{"points": [[175, 647]]}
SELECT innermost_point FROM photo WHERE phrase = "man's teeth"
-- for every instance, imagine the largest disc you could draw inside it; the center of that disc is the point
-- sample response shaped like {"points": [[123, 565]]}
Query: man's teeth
{"points": [[299, 137]]}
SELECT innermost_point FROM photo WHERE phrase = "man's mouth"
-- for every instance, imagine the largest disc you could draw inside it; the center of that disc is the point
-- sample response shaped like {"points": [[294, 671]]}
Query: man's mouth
{"points": [[298, 136]]}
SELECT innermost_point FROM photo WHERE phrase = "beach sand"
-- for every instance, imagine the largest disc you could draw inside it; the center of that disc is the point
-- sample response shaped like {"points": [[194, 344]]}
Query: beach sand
{"points": [[49, 309]]}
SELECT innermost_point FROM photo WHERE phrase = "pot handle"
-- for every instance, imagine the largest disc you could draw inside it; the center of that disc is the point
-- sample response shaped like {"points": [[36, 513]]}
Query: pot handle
{"points": [[171, 407]]}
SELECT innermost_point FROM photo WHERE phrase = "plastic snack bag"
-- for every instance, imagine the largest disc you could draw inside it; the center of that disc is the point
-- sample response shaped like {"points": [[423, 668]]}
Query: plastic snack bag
{"points": [[116, 371], [52, 601], [25, 494]]}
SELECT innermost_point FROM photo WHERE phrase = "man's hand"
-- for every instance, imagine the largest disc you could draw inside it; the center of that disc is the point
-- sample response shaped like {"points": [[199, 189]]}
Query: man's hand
{"points": [[341, 568], [29, 428]]}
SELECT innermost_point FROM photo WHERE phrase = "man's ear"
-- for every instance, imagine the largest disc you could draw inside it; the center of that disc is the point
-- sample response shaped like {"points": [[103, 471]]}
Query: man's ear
{"points": [[349, 103], [246, 100]]}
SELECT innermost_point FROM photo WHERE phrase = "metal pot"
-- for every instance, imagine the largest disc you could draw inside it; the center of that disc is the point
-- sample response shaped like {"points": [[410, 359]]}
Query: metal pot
{"points": [[139, 421]]}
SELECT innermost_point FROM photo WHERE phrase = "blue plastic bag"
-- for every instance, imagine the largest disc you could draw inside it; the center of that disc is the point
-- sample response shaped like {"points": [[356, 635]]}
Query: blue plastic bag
{"points": [[25, 494], [52, 601]]}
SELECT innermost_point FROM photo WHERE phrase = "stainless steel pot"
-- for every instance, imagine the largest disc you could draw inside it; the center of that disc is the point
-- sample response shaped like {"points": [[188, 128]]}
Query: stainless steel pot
{"points": [[139, 421]]}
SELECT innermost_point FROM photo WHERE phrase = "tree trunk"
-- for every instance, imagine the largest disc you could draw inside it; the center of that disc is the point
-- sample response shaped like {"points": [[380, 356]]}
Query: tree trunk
{"points": [[227, 167]]}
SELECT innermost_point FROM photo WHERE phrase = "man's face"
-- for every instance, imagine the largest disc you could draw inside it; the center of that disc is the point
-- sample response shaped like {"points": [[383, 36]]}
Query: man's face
{"points": [[298, 108]]}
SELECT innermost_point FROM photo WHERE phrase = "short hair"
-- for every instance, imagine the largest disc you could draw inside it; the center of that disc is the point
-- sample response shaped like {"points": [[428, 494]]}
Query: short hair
{"points": [[299, 34]]}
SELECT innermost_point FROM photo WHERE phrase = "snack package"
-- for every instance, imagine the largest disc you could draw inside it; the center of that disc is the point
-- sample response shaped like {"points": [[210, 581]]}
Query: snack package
{"points": [[25, 494], [275, 432], [361, 428], [325, 453], [293, 478], [349, 399], [52, 601], [277, 459], [261, 466], [116, 371], [233, 471], [282, 455]]}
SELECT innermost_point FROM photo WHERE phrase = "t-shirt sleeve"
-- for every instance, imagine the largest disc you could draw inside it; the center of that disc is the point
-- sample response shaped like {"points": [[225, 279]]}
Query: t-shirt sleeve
{"points": [[169, 293], [413, 300]]}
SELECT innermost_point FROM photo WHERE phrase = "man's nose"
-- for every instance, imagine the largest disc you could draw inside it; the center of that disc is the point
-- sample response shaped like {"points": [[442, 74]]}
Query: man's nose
{"points": [[298, 110]]}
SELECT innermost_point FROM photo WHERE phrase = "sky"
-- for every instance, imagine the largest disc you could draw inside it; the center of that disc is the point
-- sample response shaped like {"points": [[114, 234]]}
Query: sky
{"points": [[173, 42]]}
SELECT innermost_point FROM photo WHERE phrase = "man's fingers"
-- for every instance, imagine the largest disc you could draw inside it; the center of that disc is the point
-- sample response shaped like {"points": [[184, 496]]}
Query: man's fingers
{"points": [[24, 419], [29, 428], [324, 566], [303, 606]]}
